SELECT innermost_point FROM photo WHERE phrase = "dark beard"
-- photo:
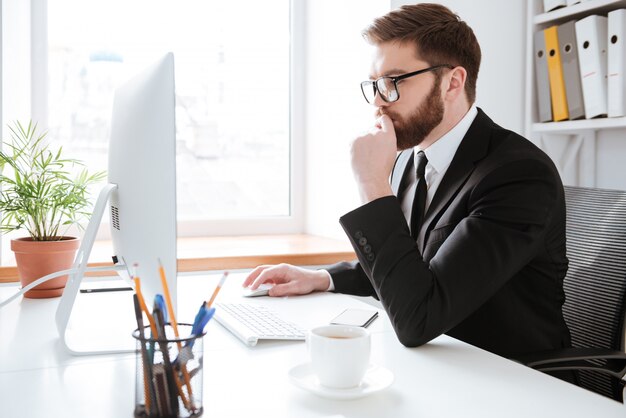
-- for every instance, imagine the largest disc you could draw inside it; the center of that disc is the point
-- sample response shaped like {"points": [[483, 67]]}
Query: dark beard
{"points": [[411, 132]]}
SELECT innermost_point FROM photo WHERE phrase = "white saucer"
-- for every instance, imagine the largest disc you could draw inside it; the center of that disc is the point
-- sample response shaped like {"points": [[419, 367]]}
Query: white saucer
{"points": [[376, 379]]}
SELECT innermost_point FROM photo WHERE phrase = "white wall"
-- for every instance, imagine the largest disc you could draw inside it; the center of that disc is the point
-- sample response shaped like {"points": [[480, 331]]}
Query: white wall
{"points": [[611, 159], [337, 60], [16, 49], [500, 28], [1, 100]]}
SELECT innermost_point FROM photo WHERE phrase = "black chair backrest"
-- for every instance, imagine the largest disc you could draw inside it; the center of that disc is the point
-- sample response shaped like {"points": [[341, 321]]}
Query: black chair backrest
{"points": [[595, 285]]}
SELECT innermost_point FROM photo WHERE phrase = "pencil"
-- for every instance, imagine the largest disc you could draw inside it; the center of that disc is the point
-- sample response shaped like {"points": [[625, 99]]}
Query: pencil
{"points": [[180, 390], [217, 290], [144, 307], [170, 310], [168, 298]]}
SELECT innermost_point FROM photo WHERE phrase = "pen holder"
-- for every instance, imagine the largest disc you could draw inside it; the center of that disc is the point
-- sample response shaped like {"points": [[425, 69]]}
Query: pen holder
{"points": [[168, 373]]}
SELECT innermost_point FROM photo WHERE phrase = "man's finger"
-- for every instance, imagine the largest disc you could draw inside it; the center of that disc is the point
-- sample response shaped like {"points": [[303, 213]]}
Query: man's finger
{"points": [[253, 275], [272, 274], [385, 123]]}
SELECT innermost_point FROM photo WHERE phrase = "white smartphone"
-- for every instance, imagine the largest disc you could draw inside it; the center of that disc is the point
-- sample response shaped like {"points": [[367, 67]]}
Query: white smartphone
{"points": [[355, 317]]}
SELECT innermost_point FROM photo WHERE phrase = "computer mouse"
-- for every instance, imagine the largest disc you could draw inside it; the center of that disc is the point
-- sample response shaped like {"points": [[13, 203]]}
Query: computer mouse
{"points": [[262, 290]]}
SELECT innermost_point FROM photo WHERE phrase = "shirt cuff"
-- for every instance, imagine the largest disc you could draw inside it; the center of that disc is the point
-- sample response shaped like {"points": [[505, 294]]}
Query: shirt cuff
{"points": [[331, 286]]}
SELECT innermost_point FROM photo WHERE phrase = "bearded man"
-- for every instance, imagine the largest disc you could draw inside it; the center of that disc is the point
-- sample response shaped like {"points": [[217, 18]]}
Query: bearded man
{"points": [[468, 237]]}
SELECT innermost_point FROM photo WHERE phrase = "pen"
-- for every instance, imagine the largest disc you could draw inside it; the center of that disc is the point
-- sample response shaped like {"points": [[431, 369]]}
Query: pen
{"points": [[171, 380], [160, 334], [217, 289], [148, 390], [202, 318], [158, 300], [170, 308], [153, 329], [106, 289]]}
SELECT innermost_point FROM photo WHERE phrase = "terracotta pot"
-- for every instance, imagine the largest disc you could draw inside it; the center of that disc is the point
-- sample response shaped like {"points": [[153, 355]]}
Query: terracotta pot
{"points": [[36, 259]]}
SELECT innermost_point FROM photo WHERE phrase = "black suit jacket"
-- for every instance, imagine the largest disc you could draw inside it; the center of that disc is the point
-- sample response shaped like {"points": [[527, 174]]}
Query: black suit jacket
{"points": [[489, 262]]}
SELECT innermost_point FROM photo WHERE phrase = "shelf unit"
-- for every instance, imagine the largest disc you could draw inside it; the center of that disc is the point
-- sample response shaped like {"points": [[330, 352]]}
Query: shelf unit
{"points": [[572, 126], [571, 144], [577, 11]]}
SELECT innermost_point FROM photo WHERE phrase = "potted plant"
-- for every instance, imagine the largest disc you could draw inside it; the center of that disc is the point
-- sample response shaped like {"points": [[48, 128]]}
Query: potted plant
{"points": [[40, 195]]}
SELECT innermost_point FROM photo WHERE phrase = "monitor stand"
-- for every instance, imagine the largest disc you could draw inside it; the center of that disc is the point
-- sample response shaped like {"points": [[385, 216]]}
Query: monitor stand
{"points": [[92, 331]]}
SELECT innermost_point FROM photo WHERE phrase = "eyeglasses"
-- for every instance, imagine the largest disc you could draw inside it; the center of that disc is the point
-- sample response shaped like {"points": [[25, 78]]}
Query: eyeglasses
{"points": [[387, 87]]}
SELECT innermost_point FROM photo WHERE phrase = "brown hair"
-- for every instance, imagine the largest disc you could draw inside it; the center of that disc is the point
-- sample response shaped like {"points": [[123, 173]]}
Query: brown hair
{"points": [[439, 35]]}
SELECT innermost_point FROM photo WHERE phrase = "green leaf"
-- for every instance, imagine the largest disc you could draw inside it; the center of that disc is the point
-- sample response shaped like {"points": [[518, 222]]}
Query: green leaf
{"points": [[39, 193]]}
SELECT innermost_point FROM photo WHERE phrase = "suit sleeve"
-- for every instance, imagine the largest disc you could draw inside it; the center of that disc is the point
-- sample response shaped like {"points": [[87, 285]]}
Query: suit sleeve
{"points": [[507, 216], [349, 277]]}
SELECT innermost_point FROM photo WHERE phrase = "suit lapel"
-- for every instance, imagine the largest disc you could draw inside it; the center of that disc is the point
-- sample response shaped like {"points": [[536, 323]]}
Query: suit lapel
{"points": [[473, 147], [399, 181]]}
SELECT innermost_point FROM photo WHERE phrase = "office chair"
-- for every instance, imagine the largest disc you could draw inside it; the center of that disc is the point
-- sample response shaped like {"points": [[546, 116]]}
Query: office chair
{"points": [[595, 292]]}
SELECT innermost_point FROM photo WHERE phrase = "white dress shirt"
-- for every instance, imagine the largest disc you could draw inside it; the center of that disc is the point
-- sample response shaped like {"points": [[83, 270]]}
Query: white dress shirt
{"points": [[439, 155]]}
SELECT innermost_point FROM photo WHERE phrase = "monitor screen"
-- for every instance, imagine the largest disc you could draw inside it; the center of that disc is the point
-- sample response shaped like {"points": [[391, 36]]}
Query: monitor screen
{"points": [[142, 164]]}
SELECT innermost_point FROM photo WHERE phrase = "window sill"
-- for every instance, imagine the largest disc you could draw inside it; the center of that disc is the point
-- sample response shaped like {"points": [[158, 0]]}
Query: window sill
{"points": [[222, 253]]}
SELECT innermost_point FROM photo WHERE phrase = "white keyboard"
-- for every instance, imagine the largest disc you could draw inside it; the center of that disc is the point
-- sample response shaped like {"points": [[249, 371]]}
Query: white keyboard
{"points": [[251, 323]]}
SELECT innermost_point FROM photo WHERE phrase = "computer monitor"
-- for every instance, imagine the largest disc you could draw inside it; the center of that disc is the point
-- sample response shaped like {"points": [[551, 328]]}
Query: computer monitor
{"points": [[142, 163], [141, 197]]}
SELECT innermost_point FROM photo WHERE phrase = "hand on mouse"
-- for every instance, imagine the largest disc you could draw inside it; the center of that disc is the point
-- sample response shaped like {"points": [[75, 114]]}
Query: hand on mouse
{"points": [[288, 280]]}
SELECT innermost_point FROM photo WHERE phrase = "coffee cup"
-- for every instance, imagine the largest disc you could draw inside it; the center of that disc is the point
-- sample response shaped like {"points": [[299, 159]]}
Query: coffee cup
{"points": [[339, 355]]}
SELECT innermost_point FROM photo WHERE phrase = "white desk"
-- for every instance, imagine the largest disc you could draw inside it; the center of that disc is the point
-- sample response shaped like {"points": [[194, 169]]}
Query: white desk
{"points": [[444, 378]]}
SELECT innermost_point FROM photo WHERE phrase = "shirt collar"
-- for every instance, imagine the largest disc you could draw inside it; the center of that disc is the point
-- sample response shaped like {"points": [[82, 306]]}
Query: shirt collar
{"points": [[441, 152]]}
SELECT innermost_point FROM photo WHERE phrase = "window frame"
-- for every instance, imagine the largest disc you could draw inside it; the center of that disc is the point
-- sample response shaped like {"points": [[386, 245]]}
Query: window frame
{"points": [[289, 224]]}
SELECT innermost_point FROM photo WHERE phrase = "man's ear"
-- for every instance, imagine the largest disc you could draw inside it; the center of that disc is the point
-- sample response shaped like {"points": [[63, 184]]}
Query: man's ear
{"points": [[456, 82]]}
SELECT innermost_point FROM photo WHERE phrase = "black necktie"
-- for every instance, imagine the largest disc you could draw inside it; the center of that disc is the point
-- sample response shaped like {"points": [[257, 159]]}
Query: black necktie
{"points": [[419, 201]]}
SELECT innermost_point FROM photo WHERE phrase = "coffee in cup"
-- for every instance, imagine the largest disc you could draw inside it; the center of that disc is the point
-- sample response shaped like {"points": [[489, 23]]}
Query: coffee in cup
{"points": [[339, 355]]}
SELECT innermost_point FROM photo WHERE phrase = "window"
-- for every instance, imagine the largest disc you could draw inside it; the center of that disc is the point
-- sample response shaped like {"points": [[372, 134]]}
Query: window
{"points": [[235, 167]]}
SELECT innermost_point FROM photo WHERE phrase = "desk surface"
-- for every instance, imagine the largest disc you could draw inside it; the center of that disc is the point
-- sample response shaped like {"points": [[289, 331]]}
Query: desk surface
{"points": [[443, 378]]}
